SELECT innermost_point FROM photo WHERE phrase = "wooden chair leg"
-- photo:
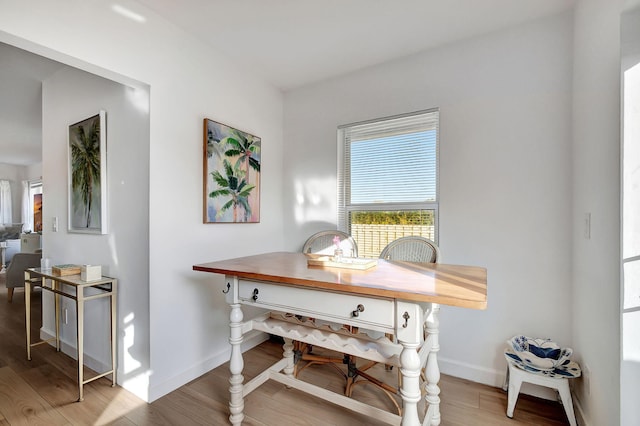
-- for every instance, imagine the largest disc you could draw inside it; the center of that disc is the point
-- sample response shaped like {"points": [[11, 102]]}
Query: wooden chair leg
{"points": [[302, 352], [9, 294], [353, 372]]}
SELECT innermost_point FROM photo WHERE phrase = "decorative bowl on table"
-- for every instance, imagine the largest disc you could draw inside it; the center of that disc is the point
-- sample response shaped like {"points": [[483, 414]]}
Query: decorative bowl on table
{"points": [[541, 354]]}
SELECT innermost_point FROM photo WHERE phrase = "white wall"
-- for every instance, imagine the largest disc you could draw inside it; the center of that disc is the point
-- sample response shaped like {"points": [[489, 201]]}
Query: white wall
{"points": [[70, 96], [596, 190], [505, 175], [188, 81], [33, 171]]}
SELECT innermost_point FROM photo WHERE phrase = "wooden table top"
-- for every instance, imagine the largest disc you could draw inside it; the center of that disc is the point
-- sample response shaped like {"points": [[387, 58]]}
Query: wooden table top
{"points": [[453, 285]]}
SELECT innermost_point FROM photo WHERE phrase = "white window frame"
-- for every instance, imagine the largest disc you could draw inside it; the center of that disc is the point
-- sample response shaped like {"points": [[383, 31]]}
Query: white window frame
{"points": [[345, 207]]}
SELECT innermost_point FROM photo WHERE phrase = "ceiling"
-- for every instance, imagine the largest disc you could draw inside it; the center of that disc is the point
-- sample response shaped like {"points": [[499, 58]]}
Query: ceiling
{"points": [[288, 43], [21, 75], [291, 43]]}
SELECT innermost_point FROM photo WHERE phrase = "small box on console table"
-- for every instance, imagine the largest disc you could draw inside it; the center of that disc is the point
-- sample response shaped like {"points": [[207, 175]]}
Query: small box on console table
{"points": [[90, 272], [63, 270]]}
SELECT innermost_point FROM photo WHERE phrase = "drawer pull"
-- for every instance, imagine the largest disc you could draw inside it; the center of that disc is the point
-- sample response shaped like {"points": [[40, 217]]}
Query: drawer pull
{"points": [[406, 319], [255, 294], [359, 309]]}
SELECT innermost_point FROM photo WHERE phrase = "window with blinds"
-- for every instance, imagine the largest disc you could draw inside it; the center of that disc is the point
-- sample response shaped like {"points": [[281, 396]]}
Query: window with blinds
{"points": [[388, 179]]}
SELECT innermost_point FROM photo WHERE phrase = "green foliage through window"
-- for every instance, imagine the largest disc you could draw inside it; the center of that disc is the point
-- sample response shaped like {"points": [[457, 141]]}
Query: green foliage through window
{"points": [[402, 217]]}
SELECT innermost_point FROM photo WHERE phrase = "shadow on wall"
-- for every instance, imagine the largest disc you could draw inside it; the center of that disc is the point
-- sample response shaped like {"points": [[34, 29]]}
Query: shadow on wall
{"points": [[315, 200]]}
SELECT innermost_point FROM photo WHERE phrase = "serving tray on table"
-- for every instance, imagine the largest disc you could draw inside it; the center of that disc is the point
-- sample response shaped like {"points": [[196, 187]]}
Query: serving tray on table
{"points": [[345, 262]]}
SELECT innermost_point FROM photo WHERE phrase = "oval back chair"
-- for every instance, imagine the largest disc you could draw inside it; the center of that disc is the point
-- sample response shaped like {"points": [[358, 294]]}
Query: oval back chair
{"points": [[322, 243], [412, 248]]}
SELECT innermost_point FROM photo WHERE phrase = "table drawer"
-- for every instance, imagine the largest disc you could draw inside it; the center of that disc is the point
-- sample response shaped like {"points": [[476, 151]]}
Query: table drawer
{"points": [[339, 307]]}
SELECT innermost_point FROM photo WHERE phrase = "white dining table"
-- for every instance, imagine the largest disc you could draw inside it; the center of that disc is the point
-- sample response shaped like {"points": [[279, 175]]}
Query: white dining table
{"points": [[399, 298]]}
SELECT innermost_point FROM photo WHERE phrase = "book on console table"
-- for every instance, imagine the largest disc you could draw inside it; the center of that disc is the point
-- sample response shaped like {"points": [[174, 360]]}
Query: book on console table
{"points": [[63, 270]]}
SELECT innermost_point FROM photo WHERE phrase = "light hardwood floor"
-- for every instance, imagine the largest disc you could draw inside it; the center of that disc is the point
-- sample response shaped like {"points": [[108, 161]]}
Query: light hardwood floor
{"points": [[43, 392]]}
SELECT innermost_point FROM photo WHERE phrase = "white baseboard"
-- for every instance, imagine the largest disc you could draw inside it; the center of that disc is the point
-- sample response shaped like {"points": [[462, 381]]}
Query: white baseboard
{"points": [[450, 367], [71, 350], [496, 378], [581, 418], [490, 377], [250, 340]]}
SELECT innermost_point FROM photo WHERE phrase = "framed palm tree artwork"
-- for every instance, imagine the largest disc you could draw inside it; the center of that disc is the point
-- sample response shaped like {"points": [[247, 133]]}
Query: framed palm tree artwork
{"points": [[88, 175], [231, 175]]}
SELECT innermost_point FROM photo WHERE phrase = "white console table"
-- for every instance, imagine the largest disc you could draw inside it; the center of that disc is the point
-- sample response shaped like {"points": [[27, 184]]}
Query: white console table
{"points": [[401, 298], [72, 287]]}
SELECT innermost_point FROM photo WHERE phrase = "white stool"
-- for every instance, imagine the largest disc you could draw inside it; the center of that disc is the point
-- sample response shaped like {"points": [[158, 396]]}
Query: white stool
{"points": [[516, 375]]}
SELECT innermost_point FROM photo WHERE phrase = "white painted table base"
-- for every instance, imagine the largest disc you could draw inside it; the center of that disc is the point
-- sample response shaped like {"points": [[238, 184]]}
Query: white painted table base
{"points": [[410, 354]]}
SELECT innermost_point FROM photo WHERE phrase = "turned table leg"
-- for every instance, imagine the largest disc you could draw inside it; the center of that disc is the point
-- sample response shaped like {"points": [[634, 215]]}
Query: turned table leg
{"points": [[236, 365], [410, 390], [432, 371]]}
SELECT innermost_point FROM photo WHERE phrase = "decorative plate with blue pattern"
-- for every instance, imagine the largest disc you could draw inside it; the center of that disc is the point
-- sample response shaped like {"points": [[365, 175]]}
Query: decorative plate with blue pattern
{"points": [[541, 354], [569, 369]]}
